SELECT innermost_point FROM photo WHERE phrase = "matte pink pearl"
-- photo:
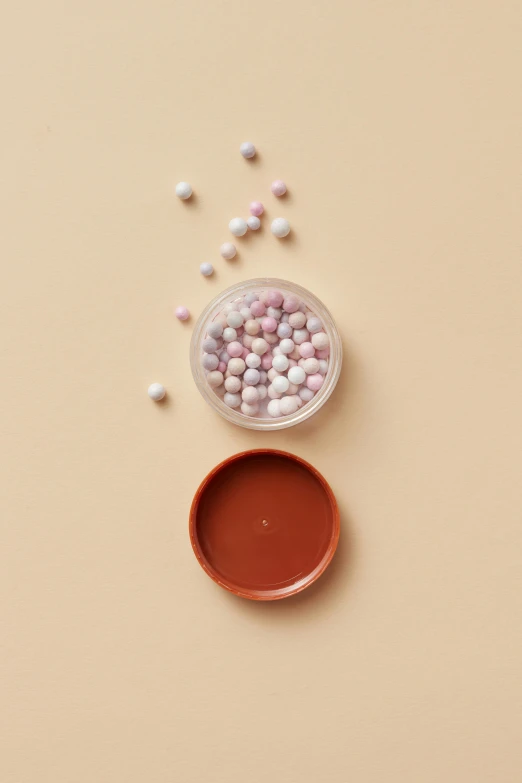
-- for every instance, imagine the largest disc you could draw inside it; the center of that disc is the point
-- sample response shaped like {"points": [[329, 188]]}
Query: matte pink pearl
{"points": [[314, 382], [257, 309], [266, 361], [324, 354], [182, 313], [278, 187], [306, 350], [291, 304], [222, 367], [256, 208], [235, 349], [269, 324], [275, 298]]}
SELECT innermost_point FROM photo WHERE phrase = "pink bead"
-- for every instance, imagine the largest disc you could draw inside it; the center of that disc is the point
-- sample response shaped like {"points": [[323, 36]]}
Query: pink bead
{"points": [[269, 324], [222, 367], [314, 382], [266, 361], [257, 309], [278, 187], [291, 304], [306, 350], [244, 353], [256, 208], [247, 340], [274, 298], [324, 354], [182, 313], [235, 349]]}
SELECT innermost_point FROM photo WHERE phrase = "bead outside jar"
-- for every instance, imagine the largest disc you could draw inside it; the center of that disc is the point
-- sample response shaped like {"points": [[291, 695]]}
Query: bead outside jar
{"points": [[216, 307]]}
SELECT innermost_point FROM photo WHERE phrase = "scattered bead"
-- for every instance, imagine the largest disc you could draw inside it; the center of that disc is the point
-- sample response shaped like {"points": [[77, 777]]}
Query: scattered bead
{"points": [[238, 227], [256, 208], [227, 250], [156, 392], [206, 269], [183, 190], [253, 223], [280, 227], [247, 149], [278, 187], [182, 313]]}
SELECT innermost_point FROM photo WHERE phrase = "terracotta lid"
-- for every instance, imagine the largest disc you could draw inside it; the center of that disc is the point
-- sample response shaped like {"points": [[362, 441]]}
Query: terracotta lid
{"points": [[264, 524]]}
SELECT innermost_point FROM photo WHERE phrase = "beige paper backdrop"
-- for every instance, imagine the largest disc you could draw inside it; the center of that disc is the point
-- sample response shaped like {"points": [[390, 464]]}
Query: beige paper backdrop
{"points": [[397, 127]]}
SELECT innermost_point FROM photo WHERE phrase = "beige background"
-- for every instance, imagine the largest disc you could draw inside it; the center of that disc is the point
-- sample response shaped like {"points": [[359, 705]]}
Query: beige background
{"points": [[397, 126]]}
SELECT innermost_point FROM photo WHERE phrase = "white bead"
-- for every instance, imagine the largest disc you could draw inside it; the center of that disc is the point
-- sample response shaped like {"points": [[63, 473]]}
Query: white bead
{"points": [[247, 149], [227, 250], [300, 336], [280, 384], [263, 376], [156, 392], [249, 410], [215, 379], [237, 366], [274, 408], [314, 324], [287, 346], [262, 391], [235, 319], [296, 375], [306, 394], [229, 335], [320, 341], [233, 384], [323, 366], [288, 406], [280, 363], [232, 400], [260, 346], [206, 269], [250, 395], [280, 227], [253, 222], [311, 366], [238, 227], [215, 329], [253, 361], [183, 190], [274, 312], [245, 312]]}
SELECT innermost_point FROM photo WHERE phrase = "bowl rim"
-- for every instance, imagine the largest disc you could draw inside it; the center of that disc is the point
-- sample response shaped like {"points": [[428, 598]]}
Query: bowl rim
{"points": [[264, 595]]}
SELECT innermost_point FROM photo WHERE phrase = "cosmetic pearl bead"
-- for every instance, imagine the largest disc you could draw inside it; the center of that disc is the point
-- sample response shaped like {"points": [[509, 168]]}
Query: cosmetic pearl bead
{"points": [[181, 313], [156, 392], [229, 334], [238, 227], [314, 324], [209, 345], [310, 366], [266, 361], [269, 324], [252, 327], [249, 410], [291, 362], [253, 361], [222, 367], [296, 375], [272, 393], [183, 190], [274, 298], [215, 330], [320, 341], [244, 353], [263, 376], [256, 208], [278, 187], [233, 384], [250, 395], [227, 250], [297, 320], [288, 406], [245, 312], [210, 361], [237, 366], [235, 319], [247, 340], [284, 330], [274, 408], [250, 299], [253, 223], [274, 312], [280, 227], [314, 382], [306, 394], [285, 318], [280, 363], [234, 349], [287, 346], [233, 400], [301, 336], [276, 351], [247, 149], [323, 366], [271, 338], [306, 350], [206, 269], [272, 373], [259, 346], [224, 357], [261, 390], [215, 379], [291, 304], [323, 354], [281, 384], [257, 309], [251, 377]]}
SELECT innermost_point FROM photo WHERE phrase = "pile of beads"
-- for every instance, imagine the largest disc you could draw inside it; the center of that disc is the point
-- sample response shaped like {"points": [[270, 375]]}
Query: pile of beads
{"points": [[266, 354]]}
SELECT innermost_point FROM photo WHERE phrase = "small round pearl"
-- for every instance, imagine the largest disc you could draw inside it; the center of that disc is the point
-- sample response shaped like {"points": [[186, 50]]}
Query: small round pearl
{"points": [[263, 376], [280, 227], [323, 366], [206, 269], [237, 366], [209, 345], [291, 304], [224, 357], [274, 298], [280, 363], [272, 393], [262, 391], [274, 312], [271, 338], [183, 190], [222, 367], [253, 223], [297, 320], [227, 250], [235, 349], [293, 388], [182, 313], [250, 299], [247, 149], [314, 382], [306, 394], [245, 312], [296, 375], [156, 392], [284, 330], [287, 346], [306, 350], [259, 346], [252, 327], [215, 329], [281, 384], [253, 361], [256, 208], [235, 319], [269, 324], [274, 408], [229, 334], [250, 394], [249, 410], [215, 379], [272, 373], [266, 361], [320, 341], [278, 187], [210, 361], [238, 226], [233, 384], [288, 406], [251, 377], [314, 324], [257, 309], [248, 339], [310, 366], [231, 307], [233, 400], [295, 354], [300, 336], [324, 354]]}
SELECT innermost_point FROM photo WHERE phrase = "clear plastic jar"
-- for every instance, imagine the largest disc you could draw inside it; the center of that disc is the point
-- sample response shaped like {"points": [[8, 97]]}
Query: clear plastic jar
{"points": [[215, 308]]}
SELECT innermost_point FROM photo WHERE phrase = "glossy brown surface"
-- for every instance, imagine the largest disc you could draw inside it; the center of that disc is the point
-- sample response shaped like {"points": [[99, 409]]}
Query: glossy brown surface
{"points": [[264, 524]]}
